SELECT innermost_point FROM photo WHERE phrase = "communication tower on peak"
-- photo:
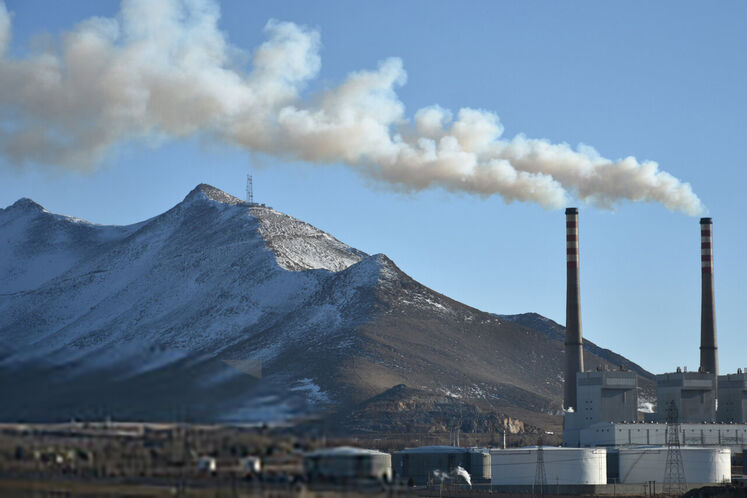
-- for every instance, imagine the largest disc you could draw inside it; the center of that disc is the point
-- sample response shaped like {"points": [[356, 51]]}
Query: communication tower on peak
{"points": [[249, 189]]}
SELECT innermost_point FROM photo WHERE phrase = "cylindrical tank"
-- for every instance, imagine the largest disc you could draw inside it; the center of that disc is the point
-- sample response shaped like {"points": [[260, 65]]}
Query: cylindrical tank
{"points": [[562, 465], [418, 464], [346, 463], [701, 465]]}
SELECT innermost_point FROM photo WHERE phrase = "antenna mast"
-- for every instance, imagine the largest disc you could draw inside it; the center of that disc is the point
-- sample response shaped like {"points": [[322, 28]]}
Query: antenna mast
{"points": [[249, 189]]}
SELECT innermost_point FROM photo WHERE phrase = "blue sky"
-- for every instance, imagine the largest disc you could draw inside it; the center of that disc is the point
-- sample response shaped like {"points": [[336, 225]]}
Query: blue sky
{"points": [[662, 81]]}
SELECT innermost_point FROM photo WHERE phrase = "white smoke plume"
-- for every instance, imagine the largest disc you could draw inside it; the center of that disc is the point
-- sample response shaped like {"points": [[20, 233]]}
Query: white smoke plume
{"points": [[163, 70], [459, 471]]}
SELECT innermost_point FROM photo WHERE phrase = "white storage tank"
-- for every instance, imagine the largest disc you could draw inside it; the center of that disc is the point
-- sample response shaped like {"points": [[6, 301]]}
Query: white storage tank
{"points": [[517, 466], [648, 463]]}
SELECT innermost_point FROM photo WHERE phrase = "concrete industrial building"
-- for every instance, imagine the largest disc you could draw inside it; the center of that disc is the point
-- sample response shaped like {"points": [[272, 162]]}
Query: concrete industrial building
{"points": [[732, 398], [602, 396], [693, 394], [616, 434]]}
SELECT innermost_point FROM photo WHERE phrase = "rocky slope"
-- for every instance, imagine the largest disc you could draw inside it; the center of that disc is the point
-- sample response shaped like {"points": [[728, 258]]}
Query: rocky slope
{"points": [[162, 319]]}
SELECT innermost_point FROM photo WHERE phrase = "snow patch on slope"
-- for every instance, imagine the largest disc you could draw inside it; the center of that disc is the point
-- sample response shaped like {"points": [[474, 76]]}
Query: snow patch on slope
{"points": [[36, 246], [299, 246], [312, 391]]}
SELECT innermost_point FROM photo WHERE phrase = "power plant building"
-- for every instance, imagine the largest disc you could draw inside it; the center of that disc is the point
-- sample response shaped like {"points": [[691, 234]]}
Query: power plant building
{"points": [[603, 405], [693, 394], [732, 398], [602, 396]]}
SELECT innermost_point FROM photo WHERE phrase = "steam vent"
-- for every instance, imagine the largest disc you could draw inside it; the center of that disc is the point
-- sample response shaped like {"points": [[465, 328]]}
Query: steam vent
{"points": [[574, 356]]}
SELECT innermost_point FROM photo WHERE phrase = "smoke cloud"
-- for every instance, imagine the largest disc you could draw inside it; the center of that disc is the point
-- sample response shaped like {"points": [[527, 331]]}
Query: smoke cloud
{"points": [[162, 70]]}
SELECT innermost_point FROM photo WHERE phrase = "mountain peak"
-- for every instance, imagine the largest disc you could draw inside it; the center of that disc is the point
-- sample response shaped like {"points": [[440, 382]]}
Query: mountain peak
{"points": [[204, 191], [26, 204]]}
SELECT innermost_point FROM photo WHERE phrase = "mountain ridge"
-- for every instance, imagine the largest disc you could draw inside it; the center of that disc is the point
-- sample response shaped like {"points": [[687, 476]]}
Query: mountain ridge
{"points": [[137, 322]]}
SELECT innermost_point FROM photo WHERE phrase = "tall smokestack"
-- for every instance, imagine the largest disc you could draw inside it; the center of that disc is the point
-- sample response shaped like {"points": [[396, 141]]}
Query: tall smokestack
{"points": [[574, 349], [708, 349]]}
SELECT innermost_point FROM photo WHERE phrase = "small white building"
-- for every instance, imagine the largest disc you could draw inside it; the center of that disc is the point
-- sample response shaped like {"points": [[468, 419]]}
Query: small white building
{"points": [[701, 465], [563, 466]]}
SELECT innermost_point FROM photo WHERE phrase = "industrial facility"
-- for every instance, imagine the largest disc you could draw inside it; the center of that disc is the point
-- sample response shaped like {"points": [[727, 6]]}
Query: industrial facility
{"points": [[608, 445], [700, 409]]}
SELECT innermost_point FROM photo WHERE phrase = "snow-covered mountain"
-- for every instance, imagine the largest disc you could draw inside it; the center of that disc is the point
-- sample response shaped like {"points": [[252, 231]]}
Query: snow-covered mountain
{"points": [[162, 319]]}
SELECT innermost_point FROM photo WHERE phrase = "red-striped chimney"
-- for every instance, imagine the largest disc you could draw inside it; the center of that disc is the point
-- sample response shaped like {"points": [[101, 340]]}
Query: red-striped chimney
{"points": [[574, 354], [708, 348]]}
